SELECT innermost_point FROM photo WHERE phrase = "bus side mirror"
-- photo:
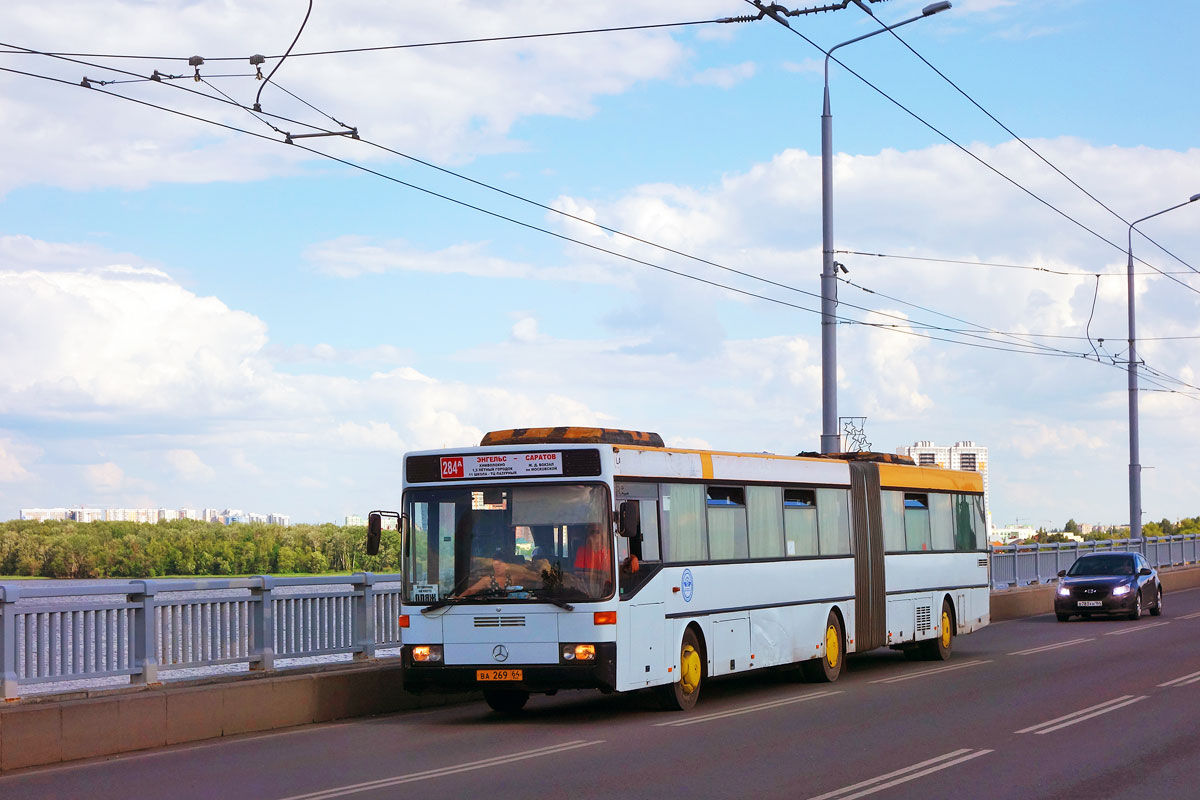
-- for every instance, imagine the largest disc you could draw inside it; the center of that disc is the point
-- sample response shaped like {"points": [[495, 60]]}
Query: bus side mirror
{"points": [[630, 525], [377, 523]]}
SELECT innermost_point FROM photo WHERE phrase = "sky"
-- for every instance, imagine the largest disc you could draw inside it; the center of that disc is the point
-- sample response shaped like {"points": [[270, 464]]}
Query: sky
{"points": [[202, 315]]}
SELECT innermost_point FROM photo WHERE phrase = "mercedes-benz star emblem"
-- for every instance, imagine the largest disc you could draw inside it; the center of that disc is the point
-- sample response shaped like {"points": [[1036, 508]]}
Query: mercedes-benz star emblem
{"points": [[500, 653]]}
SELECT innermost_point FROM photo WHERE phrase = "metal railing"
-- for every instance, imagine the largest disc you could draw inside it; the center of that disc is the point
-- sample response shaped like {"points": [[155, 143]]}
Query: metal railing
{"points": [[1029, 564], [59, 634]]}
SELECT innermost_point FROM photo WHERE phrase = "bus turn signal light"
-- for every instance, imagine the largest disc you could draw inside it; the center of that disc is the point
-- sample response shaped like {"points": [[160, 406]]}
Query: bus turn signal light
{"points": [[402, 620], [604, 618]]}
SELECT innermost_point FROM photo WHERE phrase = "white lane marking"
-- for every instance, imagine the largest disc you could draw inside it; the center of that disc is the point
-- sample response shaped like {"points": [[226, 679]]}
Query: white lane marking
{"points": [[1188, 616], [902, 775], [1184, 681], [1138, 628], [383, 783], [936, 671], [745, 710], [1074, 717], [1044, 648]]}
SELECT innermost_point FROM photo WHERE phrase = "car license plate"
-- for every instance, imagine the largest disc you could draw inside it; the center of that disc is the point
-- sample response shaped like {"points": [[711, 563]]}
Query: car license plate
{"points": [[498, 675], [1090, 603]]}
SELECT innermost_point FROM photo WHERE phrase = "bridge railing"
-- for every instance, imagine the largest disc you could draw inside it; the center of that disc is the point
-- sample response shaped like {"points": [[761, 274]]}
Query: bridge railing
{"points": [[1030, 564], [58, 634]]}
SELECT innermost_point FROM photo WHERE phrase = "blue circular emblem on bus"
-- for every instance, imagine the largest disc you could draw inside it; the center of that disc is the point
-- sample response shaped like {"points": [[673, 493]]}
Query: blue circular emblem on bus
{"points": [[686, 584]]}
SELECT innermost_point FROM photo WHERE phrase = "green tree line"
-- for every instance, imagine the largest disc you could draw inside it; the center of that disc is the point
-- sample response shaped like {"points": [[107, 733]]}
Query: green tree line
{"points": [[1189, 525], [186, 547]]}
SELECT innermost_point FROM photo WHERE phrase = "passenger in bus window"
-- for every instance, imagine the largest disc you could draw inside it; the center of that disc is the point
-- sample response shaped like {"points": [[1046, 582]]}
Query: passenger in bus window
{"points": [[593, 560], [504, 575]]}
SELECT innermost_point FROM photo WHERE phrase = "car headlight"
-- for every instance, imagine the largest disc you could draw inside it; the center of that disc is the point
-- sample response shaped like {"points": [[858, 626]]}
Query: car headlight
{"points": [[1063, 591], [1121, 590]]}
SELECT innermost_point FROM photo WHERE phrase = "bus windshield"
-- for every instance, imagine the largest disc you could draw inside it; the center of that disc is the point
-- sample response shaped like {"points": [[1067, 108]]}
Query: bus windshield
{"points": [[531, 542]]}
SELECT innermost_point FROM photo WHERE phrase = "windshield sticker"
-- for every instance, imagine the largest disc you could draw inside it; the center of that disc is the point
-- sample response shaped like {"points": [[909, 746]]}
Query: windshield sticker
{"points": [[501, 465], [424, 593], [686, 583]]}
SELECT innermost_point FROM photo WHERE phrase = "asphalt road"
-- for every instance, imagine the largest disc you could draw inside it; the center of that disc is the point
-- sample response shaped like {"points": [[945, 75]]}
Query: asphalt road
{"points": [[1031, 708]]}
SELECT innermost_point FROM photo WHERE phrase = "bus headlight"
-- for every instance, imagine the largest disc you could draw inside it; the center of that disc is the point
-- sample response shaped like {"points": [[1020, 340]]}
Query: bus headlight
{"points": [[427, 653], [579, 652]]}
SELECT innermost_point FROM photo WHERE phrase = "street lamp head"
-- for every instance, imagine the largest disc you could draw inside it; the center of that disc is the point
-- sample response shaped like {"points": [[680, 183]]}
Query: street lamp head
{"points": [[935, 8], [1194, 198]]}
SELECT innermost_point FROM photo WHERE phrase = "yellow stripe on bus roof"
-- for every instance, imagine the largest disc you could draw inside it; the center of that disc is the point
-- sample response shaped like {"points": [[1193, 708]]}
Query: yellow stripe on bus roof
{"points": [[900, 476], [711, 453]]}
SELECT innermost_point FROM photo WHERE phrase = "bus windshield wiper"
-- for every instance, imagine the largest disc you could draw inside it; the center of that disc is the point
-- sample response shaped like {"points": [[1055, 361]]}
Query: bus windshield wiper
{"points": [[563, 604], [434, 606]]}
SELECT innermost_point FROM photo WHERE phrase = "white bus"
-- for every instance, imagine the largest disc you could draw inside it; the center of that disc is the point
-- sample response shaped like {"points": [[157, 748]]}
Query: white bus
{"points": [[555, 558]]}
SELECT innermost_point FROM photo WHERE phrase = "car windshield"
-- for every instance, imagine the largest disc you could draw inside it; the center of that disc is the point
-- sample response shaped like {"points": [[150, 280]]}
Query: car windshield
{"points": [[534, 542], [1103, 565]]}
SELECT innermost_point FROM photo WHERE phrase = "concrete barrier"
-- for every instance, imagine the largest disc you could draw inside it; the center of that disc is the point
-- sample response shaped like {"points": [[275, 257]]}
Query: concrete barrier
{"points": [[45, 730], [48, 729]]}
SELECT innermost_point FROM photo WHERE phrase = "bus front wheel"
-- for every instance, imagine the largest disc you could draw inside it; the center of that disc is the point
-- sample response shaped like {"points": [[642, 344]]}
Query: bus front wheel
{"points": [[506, 701], [828, 668], [683, 693]]}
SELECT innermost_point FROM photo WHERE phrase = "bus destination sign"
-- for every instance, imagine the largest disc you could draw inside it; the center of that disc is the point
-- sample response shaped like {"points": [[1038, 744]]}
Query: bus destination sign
{"points": [[502, 465]]}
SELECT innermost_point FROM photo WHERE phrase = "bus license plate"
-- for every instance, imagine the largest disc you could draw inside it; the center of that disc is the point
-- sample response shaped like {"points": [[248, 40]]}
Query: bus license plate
{"points": [[498, 675], [1090, 603]]}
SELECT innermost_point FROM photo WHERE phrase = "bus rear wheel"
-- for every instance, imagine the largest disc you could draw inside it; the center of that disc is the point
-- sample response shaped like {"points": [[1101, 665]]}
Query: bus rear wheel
{"points": [[828, 668], [683, 693], [938, 649], [506, 701]]}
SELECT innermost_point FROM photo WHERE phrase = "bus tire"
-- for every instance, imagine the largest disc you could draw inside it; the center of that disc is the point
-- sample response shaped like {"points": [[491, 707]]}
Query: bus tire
{"points": [[683, 693], [938, 648], [828, 668], [506, 701]]}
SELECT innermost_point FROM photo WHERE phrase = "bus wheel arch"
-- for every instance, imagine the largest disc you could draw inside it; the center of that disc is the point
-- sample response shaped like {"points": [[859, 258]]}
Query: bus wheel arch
{"points": [[940, 647], [683, 692], [828, 667]]}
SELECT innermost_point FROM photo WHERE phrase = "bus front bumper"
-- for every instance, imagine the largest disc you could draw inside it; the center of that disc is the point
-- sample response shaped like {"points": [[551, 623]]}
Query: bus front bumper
{"points": [[599, 674]]}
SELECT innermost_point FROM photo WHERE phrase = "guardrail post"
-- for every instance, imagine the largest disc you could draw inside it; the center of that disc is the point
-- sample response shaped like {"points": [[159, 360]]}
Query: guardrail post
{"points": [[364, 615], [9, 688], [262, 637], [145, 633]]}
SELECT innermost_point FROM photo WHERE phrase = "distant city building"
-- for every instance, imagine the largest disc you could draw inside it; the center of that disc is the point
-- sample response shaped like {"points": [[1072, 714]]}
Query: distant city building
{"points": [[354, 521], [1007, 534], [962, 455], [150, 515]]}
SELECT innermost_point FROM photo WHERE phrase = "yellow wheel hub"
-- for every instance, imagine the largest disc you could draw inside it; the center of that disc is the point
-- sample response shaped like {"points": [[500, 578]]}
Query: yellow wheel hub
{"points": [[689, 669], [833, 647], [945, 628]]}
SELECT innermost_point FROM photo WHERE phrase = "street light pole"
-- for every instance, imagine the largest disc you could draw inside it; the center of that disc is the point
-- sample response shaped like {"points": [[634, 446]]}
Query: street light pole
{"points": [[1135, 469], [830, 436]]}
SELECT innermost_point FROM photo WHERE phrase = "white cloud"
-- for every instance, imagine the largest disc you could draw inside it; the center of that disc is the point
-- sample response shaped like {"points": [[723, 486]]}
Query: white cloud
{"points": [[725, 77], [11, 468], [105, 478], [445, 103], [189, 467]]}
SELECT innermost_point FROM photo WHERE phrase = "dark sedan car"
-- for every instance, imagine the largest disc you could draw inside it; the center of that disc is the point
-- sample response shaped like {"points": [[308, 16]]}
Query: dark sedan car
{"points": [[1108, 583]]}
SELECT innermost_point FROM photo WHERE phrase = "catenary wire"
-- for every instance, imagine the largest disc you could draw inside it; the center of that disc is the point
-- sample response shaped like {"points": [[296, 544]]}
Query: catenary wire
{"points": [[562, 237], [1034, 347], [1047, 270], [1023, 143], [380, 48], [288, 52], [977, 158]]}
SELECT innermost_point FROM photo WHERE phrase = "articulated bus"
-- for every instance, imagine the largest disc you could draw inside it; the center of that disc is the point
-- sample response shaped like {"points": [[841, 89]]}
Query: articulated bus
{"points": [[555, 558]]}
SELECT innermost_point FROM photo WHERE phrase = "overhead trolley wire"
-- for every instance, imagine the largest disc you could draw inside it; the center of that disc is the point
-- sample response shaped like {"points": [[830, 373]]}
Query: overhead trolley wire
{"points": [[1047, 270], [380, 48], [546, 231], [977, 158], [1027, 348], [1024, 144]]}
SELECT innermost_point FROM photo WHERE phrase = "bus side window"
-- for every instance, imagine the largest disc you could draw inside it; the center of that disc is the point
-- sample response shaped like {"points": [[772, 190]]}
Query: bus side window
{"points": [[727, 523], [941, 522], [916, 522], [648, 512], [764, 506], [981, 540], [964, 531], [683, 533], [800, 521], [833, 511], [893, 521]]}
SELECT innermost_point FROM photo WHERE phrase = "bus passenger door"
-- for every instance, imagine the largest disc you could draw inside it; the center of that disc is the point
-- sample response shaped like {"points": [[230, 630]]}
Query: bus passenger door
{"points": [[645, 652]]}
